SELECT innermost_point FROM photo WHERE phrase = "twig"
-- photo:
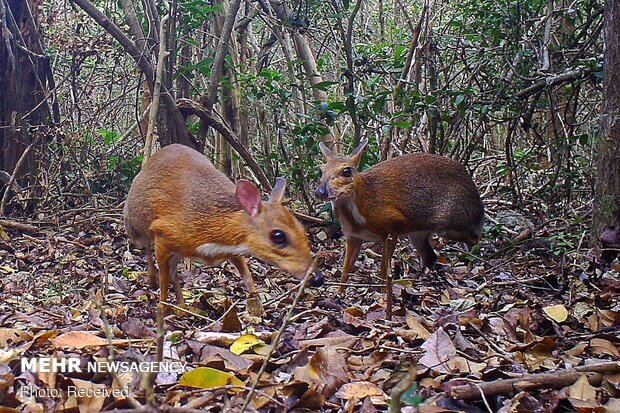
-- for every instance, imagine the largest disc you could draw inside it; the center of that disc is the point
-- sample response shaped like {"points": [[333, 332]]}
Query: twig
{"points": [[149, 380], [18, 167], [311, 311], [401, 387], [367, 285], [555, 79], [6, 178], [276, 339], [399, 350], [161, 332], [100, 304], [204, 400], [228, 310], [159, 73], [205, 114], [484, 399], [185, 310], [313, 220], [277, 298]]}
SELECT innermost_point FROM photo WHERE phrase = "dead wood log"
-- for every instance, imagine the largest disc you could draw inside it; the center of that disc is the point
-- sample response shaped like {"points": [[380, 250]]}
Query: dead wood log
{"points": [[553, 379], [18, 226]]}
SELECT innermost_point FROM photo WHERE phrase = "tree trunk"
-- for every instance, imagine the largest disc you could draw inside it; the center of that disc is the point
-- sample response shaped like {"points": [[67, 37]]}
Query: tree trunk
{"points": [[181, 134], [607, 190], [244, 67], [25, 78]]}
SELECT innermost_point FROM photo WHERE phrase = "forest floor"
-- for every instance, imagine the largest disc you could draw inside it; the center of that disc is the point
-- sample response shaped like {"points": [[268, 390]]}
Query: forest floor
{"points": [[534, 300]]}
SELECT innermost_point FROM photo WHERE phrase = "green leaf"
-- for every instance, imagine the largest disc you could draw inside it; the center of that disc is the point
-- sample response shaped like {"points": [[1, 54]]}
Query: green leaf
{"points": [[400, 50], [430, 99], [109, 136], [459, 99], [270, 74], [324, 85], [401, 124], [410, 397], [338, 106]]}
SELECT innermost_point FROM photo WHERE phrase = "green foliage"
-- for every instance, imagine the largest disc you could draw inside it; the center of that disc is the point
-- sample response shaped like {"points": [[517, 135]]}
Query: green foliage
{"points": [[495, 231], [196, 12], [202, 67], [411, 396], [124, 167], [563, 242], [109, 137], [494, 23]]}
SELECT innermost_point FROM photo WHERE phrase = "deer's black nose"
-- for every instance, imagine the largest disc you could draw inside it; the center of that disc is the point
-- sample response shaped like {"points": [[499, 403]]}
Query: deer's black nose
{"points": [[317, 279], [321, 192]]}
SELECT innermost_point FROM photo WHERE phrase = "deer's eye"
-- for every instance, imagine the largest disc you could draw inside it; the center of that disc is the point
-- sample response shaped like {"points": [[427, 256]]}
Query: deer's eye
{"points": [[278, 237], [347, 172]]}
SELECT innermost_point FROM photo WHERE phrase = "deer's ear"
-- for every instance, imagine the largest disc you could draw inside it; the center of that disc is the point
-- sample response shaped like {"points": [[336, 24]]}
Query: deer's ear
{"points": [[327, 153], [277, 193], [249, 197], [356, 155]]}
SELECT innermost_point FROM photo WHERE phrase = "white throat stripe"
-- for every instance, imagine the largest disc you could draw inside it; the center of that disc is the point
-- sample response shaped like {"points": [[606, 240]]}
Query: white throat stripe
{"points": [[356, 214], [214, 250]]}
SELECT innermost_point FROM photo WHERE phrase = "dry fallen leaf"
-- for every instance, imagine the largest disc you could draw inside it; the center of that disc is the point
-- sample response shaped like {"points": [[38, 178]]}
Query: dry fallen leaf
{"points": [[439, 350], [602, 346], [337, 339], [13, 336], [79, 339], [613, 405], [8, 354], [558, 312], [416, 326], [214, 356], [588, 406], [327, 368], [582, 389], [226, 339], [359, 390], [462, 365], [89, 396]]}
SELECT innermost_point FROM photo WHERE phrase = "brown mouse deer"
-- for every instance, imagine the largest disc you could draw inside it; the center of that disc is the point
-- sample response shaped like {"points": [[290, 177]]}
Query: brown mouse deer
{"points": [[414, 195], [184, 207]]}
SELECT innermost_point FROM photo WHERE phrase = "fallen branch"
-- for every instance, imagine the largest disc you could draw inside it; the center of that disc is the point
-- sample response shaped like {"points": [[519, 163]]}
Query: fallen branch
{"points": [[18, 226], [554, 379]]}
